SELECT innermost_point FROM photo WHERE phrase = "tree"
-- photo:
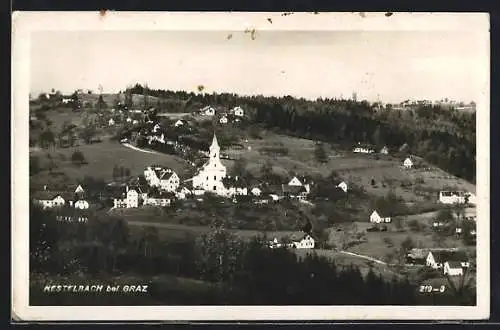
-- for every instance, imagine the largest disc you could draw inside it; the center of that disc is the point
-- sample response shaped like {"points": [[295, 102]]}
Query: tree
{"points": [[101, 104], [77, 158], [47, 139], [34, 165], [320, 153], [88, 132]]}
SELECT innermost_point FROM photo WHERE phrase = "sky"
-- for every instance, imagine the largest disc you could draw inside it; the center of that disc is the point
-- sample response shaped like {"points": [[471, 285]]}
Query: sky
{"points": [[390, 66]]}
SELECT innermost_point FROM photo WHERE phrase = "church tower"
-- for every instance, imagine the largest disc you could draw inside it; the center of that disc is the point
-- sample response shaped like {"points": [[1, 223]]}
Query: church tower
{"points": [[212, 172], [214, 149]]}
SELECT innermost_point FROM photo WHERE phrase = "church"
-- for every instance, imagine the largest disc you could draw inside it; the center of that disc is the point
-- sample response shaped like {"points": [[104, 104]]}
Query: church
{"points": [[212, 172]]}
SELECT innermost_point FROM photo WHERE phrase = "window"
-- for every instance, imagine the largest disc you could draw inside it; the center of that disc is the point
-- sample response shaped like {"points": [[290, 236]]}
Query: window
{"points": [[215, 188], [215, 177]]}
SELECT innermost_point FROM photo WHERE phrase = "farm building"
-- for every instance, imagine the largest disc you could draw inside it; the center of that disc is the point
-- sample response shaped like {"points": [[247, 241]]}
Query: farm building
{"points": [[130, 200], [437, 258], [223, 120], [111, 122], [82, 204], [452, 197], [342, 186], [307, 242], [376, 218], [408, 163], [237, 111], [363, 148], [453, 268], [207, 111], [384, 150], [256, 191], [179, 123], [295, 182]]}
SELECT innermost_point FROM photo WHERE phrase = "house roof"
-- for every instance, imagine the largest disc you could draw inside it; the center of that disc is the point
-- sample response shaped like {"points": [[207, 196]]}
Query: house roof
{"points": [[50, 195], [444, 256], [167, 175], [292, 189], [454, 264]]}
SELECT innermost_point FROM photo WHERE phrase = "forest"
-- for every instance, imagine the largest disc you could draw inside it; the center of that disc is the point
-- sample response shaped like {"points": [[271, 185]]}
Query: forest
{"points": [[444, 137], [232, 271]]}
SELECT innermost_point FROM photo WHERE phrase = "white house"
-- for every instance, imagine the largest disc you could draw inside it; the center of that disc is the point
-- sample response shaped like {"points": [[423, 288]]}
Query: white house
{"points": [[49, 199], [210, 176], [81, 204], [238, 111], [384, 150], [156, 128], [437, 258], [342, 186], [179, 123], [307, 242], [452, 197], [169, 181], [363, 149], [183, 193], [157, 201], [131, 199], [135, 122], [111, 122], [256, 191], [208, 111], [275, 244], [129, 120], [163, 178], [223, 120], [376, 218], [453, 268], [408, 163]]}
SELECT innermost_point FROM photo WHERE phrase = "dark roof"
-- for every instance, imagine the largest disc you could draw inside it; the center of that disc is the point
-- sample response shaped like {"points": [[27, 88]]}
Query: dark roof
{"points": [[444, 256], [50, 195], [455, 264], [167, 175], [293, 189]]}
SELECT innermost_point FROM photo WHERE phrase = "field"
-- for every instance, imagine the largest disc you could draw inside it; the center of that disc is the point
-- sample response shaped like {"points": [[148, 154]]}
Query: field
{"points": [[420, 184], [101, 158]]}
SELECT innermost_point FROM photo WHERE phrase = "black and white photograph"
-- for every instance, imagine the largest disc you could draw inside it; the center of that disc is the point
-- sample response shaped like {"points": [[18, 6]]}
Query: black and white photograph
{"points": [[241, 166]]}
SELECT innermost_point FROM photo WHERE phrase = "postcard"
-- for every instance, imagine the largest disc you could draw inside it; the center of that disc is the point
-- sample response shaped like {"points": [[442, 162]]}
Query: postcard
{"points": [[250, 166]]}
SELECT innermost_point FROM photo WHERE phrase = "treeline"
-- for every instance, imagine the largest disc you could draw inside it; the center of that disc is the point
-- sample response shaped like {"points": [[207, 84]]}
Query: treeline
{"points": [[234, 271], [444, 137]]}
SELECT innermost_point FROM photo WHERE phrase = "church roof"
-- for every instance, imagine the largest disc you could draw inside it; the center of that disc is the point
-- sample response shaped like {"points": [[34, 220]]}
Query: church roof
{"points": [[215, 144]]}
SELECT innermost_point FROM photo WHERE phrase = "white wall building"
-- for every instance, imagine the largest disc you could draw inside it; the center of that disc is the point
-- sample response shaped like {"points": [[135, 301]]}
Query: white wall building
{"points": [[238, 112], [453, 268], [307, 242], [408, 163], [342, 186], [376, 218], [82, 204], [131, 199], [210, 176]]}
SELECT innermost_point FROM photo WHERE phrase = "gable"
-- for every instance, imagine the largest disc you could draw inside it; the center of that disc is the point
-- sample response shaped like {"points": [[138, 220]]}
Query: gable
{"points": [[295, 182]]}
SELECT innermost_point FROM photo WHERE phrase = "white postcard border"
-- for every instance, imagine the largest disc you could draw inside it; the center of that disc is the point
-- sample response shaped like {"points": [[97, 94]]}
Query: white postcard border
{"points": [[24, 23]]}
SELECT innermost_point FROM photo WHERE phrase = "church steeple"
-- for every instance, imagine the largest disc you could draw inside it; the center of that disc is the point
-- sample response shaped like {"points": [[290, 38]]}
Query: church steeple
{"points": [[214, 148]]}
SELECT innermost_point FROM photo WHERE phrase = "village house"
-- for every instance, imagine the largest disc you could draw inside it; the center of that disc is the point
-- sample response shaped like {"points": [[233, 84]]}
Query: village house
{"points": [[210, 176], [129, 120], [157, 200], [81, 204], [223, 120], [156, 128], [307, 242], [453, 268], [129, 200], [207, 111], [452, 197], [293, 191], [296, 182], [274, 244], [49, 199], [183, 193], [363, 148], [111, 122], [376, 218], [437, 258], [237, 111], [256, 191], [179, 123], [408, 163], [342, 186], [384, 150], [163, 178]]}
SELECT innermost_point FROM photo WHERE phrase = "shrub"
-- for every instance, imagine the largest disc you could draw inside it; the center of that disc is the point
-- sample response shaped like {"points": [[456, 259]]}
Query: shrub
{"points": [[78, 158]]}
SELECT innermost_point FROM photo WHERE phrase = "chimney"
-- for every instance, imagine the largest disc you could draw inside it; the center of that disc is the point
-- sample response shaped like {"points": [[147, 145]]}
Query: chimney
{"points": [[126, 188]]}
